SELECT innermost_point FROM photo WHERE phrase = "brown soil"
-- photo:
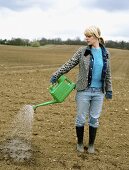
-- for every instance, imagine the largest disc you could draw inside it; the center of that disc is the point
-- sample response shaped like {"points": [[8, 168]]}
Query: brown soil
{"points": [[24, 79]]}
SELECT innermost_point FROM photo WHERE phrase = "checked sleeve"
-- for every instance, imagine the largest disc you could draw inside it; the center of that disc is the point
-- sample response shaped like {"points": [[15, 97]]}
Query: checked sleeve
{"points": [[71, 63]]}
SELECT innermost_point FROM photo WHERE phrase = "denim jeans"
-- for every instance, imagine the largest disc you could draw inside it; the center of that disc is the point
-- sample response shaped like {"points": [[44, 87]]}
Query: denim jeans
{"points": [[89, 105]]}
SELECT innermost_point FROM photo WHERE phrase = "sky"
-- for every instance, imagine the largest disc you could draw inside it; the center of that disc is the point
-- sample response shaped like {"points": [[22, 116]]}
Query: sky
{"points": [[36, 19]]}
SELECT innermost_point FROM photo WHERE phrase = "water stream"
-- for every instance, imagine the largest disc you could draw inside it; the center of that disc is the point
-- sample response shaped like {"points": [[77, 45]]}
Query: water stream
{"points": [[17, 147]]}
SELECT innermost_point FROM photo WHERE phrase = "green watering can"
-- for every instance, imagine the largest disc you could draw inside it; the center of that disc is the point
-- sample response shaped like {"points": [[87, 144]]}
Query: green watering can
{"points": [[59, 91]]}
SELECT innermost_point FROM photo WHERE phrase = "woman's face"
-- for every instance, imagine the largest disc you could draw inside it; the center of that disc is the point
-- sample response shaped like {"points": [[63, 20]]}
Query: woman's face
{"points": [[91, 40]]}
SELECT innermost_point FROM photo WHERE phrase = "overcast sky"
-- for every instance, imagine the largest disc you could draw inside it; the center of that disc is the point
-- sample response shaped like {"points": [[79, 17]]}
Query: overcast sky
{"points": [[35, 19]]}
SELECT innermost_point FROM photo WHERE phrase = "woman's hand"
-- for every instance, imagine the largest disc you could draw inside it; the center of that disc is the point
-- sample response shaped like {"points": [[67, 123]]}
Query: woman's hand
{"points": [[53, 79], [108, 95]]}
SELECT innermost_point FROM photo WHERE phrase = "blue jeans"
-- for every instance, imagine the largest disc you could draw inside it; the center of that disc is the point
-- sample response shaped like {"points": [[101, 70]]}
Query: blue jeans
{"points": [[89, 105]]}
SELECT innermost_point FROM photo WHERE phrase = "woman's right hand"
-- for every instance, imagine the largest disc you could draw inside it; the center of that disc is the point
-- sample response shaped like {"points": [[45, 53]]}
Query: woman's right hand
{"points": [[53, 79]]}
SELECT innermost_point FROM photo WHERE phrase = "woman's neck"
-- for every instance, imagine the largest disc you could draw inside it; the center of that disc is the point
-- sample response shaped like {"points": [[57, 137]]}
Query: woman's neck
{"points": [[95, 44]]}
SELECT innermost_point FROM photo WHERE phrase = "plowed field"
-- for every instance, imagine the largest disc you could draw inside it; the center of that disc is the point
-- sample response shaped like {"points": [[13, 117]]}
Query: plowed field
{"points": [[24, 79]]}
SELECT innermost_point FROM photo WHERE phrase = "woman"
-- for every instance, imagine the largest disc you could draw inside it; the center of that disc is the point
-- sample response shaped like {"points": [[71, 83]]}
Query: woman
{"points": [[94, 81]]}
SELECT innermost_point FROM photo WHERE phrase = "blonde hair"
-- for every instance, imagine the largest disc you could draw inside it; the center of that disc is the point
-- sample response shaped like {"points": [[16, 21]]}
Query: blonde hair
{"points": [[94, 31]]}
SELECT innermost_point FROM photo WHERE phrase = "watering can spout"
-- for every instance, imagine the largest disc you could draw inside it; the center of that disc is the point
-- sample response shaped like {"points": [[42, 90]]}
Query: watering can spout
{"points": [[44, 104]]}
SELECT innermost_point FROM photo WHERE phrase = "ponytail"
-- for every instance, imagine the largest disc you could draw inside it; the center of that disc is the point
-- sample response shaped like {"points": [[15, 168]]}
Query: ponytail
{"points": [[101, 41]]}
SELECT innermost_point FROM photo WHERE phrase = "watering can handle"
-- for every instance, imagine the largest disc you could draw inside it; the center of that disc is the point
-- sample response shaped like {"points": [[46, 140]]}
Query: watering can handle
{"points": [[68, 80], [63, 78]]}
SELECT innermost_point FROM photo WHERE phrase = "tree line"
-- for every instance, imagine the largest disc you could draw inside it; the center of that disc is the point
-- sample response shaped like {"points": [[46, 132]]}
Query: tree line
{"points": [[59, 41]]}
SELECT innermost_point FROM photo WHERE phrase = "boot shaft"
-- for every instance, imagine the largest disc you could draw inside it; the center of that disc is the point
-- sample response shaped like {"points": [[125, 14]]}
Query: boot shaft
{"points": [[92, 135], [80, 134]]}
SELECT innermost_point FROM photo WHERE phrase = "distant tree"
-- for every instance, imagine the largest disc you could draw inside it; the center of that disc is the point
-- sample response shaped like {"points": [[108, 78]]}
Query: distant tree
{"points": [[18, 42], [57, 41], [5, 41], [35, 43], [43, 41], [117, 44]]}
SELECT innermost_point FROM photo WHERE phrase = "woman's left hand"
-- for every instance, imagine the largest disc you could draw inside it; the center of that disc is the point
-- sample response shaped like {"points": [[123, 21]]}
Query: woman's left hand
{"points": [[108, 95]]}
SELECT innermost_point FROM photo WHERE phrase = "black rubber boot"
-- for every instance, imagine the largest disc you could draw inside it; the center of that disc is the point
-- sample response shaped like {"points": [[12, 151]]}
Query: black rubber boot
{"points": [[80, 134], [92, 136]]}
